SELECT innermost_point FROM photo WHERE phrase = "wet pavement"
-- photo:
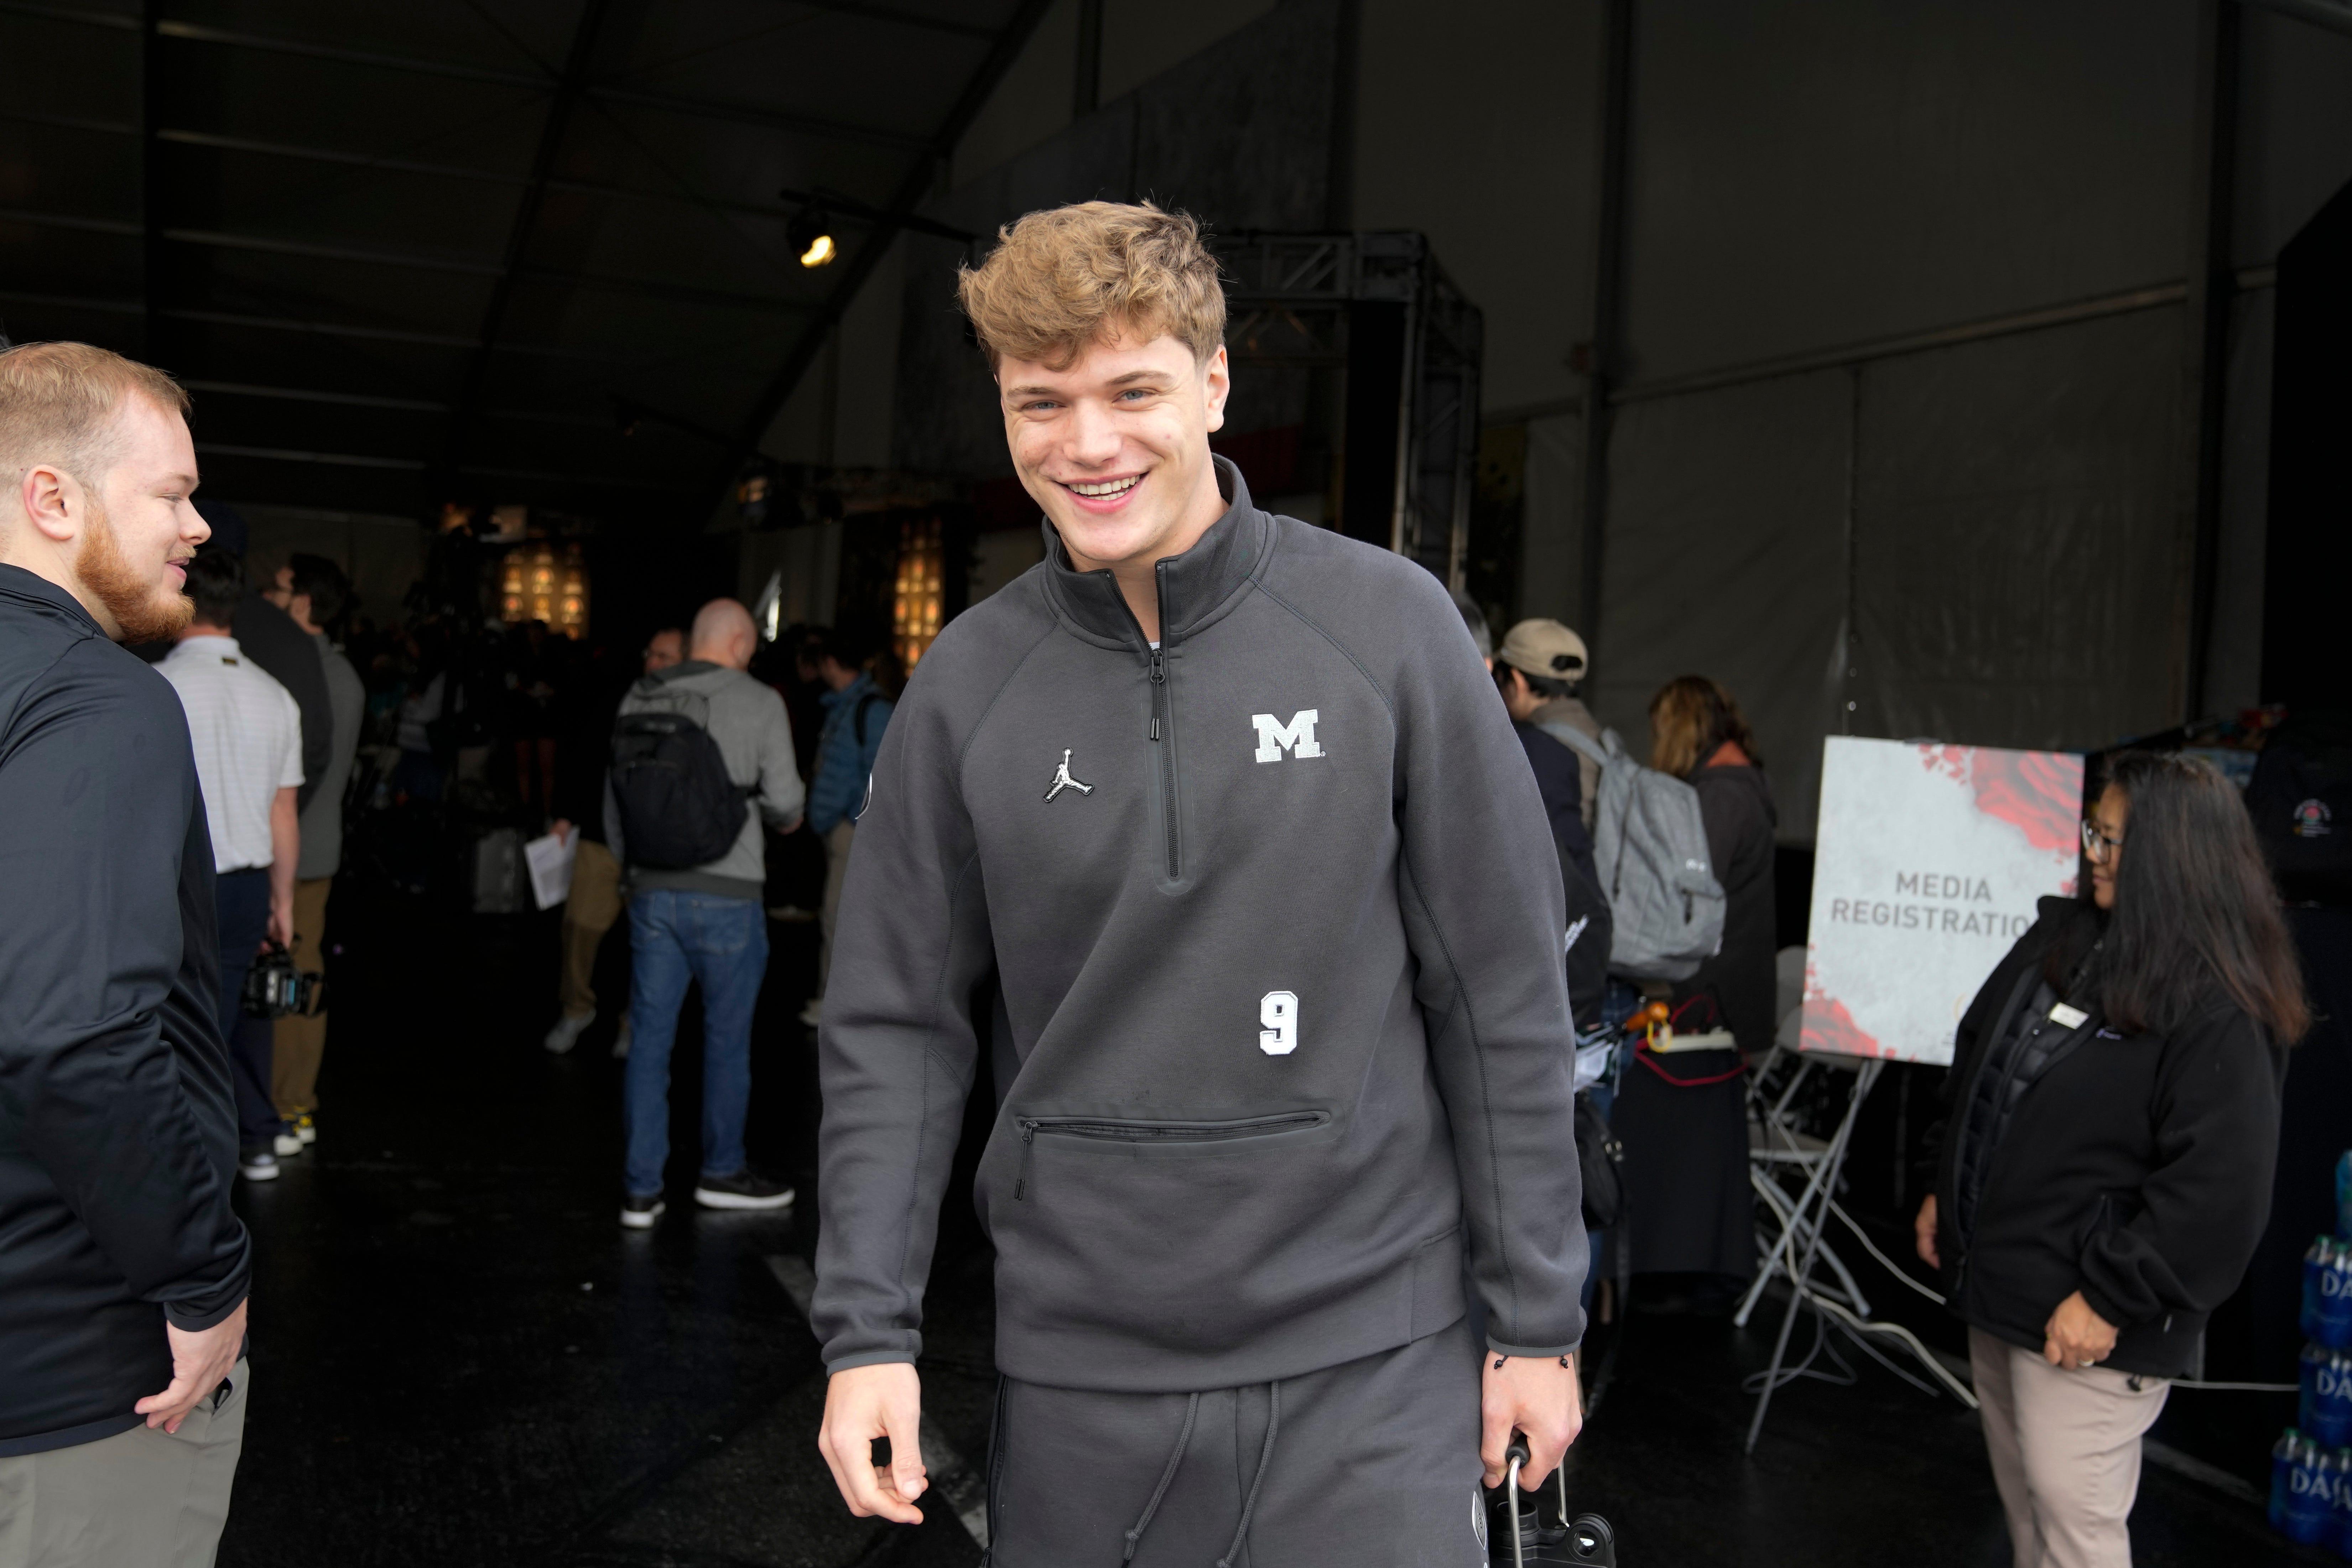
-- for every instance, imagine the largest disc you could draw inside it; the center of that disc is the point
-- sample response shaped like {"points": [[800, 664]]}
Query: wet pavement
{"points": [[460, 1358]]}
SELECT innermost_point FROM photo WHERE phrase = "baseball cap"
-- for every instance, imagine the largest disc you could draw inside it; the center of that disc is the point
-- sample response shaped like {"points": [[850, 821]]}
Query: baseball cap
{"points": [[1546, 648]]}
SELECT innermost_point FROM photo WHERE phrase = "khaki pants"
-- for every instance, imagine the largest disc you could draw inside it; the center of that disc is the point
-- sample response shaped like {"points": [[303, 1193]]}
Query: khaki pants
{"points": [[297, 1043], [589, 911], [836, 867], [2065, 1452], [140, 1499]]}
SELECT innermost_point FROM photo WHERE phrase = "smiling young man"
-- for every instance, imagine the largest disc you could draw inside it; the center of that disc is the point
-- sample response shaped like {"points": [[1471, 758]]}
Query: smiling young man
{"points": [[1207, 841], [122, 1269]]}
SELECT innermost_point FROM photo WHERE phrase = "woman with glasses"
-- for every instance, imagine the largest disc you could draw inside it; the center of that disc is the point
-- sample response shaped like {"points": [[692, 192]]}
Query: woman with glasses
{"points": [[2105, 1169]]}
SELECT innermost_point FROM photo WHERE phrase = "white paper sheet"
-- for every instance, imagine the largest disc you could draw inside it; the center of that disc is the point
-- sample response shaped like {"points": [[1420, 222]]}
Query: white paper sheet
{"points": [[550, 859]]}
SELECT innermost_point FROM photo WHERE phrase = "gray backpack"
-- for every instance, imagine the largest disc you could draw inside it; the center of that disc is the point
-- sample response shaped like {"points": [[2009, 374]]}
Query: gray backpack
{"points": [[1650, 847]]}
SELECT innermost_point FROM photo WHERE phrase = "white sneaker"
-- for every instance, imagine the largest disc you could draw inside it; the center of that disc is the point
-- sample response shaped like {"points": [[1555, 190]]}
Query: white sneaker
{"points": [[287, 1143], [814, 1014], [567, 1031], [621, 1042]]}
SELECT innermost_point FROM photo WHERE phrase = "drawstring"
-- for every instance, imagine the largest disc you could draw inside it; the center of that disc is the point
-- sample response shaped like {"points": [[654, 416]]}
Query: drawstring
{"points": [[1184, 1441], [1264, 1457]]}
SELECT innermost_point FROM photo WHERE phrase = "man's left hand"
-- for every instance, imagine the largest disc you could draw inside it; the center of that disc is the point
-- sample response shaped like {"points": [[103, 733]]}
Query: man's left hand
{"points": [[2076, 1336], [1534, 1394], [201, 1360]]}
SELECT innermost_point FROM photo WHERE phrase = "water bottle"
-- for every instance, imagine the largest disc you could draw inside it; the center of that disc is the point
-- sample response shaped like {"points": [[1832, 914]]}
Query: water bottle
{"points": [[2311, 1494], [2285, 1454], [2315, 1261], [2331, 1408], [2306, 1383], [2336, 1299], [2339, 1520]]}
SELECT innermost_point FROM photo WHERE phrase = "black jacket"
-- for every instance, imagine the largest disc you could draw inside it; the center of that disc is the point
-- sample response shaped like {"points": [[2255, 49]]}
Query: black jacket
{"points": [[2136, 1169], [118, 1136], [1735, 804], [1589, 923], [1277, 931]]}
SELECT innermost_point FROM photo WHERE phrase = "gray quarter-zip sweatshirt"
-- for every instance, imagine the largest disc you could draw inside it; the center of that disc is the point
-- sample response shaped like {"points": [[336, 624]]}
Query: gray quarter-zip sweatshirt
{"points": [[1276, 926]]}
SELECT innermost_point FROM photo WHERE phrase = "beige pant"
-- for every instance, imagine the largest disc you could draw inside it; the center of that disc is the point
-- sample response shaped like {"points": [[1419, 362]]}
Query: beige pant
{"points": [[140, 1499], [594, 904], [836, 867], [2065, 1452], [296, 1044]]}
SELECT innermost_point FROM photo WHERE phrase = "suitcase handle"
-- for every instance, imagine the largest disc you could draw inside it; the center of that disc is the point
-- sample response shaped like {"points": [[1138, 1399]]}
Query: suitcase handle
{"points": [[1516, 1455]]}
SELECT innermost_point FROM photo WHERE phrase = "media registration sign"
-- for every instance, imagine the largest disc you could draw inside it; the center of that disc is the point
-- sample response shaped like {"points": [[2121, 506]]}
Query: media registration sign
{"points": [[1927, 867]]}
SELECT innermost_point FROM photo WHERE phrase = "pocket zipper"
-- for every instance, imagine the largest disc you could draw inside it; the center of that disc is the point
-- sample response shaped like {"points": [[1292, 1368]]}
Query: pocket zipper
{"points": [[1115, 1131]]}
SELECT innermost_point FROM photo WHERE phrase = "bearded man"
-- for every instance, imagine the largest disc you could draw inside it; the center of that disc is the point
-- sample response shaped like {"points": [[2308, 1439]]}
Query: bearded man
{"points": [[123, 1272]]}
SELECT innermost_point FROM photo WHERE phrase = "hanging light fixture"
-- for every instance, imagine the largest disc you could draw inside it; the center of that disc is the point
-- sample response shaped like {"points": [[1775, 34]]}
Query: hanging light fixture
{"points": [[811, 237]]}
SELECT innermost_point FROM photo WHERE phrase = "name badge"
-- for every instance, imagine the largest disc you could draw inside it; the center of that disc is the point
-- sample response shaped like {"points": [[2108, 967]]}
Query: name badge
{"points": [[2067, 1017]]}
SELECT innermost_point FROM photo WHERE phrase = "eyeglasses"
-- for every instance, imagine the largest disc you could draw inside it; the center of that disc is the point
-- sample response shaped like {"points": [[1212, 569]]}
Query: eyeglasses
{"points": [[2097, 845]]}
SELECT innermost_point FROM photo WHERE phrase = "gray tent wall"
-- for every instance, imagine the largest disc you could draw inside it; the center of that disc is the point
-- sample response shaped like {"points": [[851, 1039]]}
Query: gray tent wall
{"points": [[1982, 540]]}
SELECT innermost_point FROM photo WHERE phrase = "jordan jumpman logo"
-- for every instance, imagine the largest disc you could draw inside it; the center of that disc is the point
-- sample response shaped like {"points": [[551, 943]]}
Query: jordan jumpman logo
{"points": [[1062, 780]]}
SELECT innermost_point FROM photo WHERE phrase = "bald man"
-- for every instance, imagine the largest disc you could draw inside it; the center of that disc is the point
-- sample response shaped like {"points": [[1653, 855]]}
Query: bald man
{"points": [[703, 922]]}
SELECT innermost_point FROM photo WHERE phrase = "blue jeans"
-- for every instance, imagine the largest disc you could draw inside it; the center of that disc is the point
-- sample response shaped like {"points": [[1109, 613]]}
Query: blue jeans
{"points": [[676, 938]]}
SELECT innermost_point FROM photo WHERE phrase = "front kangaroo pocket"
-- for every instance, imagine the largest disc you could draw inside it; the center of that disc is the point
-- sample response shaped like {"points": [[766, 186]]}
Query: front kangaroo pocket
{"points": [[1186, 1232]]}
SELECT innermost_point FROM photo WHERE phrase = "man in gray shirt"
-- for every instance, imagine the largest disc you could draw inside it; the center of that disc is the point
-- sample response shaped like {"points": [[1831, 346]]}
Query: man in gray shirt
{"points": [[312, 591], [704, 922]]}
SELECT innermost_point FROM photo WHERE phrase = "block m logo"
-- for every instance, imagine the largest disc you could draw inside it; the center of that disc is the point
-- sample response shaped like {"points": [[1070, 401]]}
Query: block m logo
{"points": [[1298, 737]]}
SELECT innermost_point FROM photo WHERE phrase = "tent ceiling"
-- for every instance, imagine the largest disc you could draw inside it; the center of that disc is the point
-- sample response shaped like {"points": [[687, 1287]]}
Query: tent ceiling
{"points": [[409, 253]]}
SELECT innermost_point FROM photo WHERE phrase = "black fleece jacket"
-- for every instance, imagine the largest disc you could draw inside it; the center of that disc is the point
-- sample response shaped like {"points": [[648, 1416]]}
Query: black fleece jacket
{"points": [[2136, 1169], [118, 1138]]}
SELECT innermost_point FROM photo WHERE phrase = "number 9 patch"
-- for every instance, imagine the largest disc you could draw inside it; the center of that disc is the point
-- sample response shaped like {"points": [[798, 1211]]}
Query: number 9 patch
{"points": [[1278, 1011]]}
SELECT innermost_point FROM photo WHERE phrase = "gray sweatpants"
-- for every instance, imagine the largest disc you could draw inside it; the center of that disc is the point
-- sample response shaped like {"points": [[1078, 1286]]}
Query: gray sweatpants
{"points": [[1374, 1462], [145, 1496]]}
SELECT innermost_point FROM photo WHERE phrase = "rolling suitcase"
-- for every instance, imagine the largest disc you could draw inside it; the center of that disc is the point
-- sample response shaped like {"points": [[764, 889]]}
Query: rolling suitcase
{"points": [[1581, 1540]]}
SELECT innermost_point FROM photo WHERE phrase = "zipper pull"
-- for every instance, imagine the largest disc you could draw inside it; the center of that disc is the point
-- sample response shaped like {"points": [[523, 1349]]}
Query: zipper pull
{"points": [[1028, 1143], [1159, 667]]}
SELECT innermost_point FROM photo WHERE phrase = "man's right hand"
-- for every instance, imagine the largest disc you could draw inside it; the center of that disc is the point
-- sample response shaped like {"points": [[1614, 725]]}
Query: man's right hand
{"points": [[1924, 1232], [201, 1360], [885, 1400]]}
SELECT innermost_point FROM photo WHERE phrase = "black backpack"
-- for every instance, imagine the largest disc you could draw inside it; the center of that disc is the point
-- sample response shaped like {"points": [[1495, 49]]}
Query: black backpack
{"points": [[679, 808]]}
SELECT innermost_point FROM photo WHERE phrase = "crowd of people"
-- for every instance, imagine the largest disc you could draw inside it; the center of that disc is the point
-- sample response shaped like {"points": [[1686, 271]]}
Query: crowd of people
{"points": [[1273, 905]]}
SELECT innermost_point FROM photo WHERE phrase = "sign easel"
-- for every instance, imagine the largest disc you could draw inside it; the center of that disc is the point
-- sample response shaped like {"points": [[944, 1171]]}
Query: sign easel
{"points": [[1928, 860]]}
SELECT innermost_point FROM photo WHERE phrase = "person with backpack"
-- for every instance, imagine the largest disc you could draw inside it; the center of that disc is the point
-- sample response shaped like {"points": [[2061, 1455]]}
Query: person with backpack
{"points": [[697, 748], [1681, 1116], [857, 711]]}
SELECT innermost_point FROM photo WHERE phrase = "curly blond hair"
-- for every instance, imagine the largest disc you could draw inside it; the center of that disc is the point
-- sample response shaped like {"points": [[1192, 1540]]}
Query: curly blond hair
{"points": [[1071, 276]]}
